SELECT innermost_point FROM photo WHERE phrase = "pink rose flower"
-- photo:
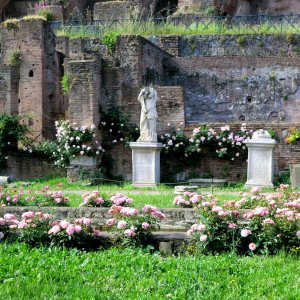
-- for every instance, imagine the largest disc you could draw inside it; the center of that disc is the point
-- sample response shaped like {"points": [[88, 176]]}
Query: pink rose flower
{"points": [[77, 228], [129, 233], [268, 221], [232, 225], [1, 235], [189, 232], [86, 221], [159, 215], [28, 215], [252, 246], [55, 229], [245, 232], [111, 221], [96, 232], [146, 225], [2, 221], [121, 224], [70, 229], [298, 234], [255, 190], [64, 224], [10, 217], [203, 238]]}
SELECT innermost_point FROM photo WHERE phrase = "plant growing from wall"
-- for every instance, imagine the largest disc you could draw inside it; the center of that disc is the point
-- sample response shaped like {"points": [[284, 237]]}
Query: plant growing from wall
{"points": [[11, 24], [46, 13], [293, 135], [65, 84], [14, 57], [11, 132], [110, 39]]}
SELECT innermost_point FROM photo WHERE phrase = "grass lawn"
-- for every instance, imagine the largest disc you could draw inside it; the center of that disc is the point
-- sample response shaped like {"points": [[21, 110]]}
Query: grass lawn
{"points": [[53, 273], [161, 196]]}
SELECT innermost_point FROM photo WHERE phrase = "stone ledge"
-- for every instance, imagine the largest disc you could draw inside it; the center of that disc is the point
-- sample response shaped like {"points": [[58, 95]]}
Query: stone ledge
{"points": [[178, 219]]}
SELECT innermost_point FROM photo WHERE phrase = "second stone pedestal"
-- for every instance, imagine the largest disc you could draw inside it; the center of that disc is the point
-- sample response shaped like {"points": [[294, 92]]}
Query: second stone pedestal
{"points": [[145, 163], [260, 160]]}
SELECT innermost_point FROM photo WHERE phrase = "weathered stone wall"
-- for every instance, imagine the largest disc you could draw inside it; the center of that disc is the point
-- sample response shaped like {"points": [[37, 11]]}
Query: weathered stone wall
{"points": [[229, 45], [112, 10], [228, 89], [24, 167], [9, 80]]}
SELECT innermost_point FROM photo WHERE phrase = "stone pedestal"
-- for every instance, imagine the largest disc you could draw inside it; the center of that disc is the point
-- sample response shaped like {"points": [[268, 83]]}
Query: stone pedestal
{"points": [[82, 167], [145, 163], [260, 160]]}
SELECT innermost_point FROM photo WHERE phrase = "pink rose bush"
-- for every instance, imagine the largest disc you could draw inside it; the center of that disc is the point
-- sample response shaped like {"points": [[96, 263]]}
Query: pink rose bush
{"points": [[94, 199], [37, 228], [260, 223], [55, 198], [22, 197], [133, 226]]}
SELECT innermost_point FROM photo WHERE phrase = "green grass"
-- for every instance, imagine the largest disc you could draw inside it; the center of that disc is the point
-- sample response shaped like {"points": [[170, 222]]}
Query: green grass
{"points": [[54, 273], [161, 196], [149, 28]]}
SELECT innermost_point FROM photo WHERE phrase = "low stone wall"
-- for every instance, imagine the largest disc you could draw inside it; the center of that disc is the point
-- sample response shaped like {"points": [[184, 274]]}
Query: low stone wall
{"points": [[24, 167], [178, 220]]}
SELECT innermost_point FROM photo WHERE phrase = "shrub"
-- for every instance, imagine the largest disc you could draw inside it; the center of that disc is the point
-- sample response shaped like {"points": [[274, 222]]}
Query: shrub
{"points": [[71, 141], [36, 228], [20, 197], [95, 200], [271, 223], [131, 226]]}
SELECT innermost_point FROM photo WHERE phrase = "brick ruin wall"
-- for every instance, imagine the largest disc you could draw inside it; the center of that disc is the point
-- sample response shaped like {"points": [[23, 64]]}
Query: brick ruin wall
{"points": [[209, 79]]}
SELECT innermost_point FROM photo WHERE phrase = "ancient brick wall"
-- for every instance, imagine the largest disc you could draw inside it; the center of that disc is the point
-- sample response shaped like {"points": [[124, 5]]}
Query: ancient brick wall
{"points": [[84, 94], [9, 81]]}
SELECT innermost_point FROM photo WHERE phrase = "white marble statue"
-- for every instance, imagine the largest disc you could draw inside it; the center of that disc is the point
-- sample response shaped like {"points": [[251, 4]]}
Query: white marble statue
{"points": [[148, 98]]}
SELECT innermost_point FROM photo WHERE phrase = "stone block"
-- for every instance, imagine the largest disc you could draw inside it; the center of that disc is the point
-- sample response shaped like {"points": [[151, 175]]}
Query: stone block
{"points": [[166, 248], [260, 160], [181, 189], [145, 163], [207, 182], [295, 175], [83, 160]]}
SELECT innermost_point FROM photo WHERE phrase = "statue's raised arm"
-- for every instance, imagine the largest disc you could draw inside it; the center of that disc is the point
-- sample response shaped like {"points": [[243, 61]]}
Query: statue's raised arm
{"points": [[148, 99]]}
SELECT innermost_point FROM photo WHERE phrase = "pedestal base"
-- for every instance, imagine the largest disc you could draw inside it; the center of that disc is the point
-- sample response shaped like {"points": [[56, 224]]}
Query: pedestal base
{"points": [[251, 185], [145, 163]]}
